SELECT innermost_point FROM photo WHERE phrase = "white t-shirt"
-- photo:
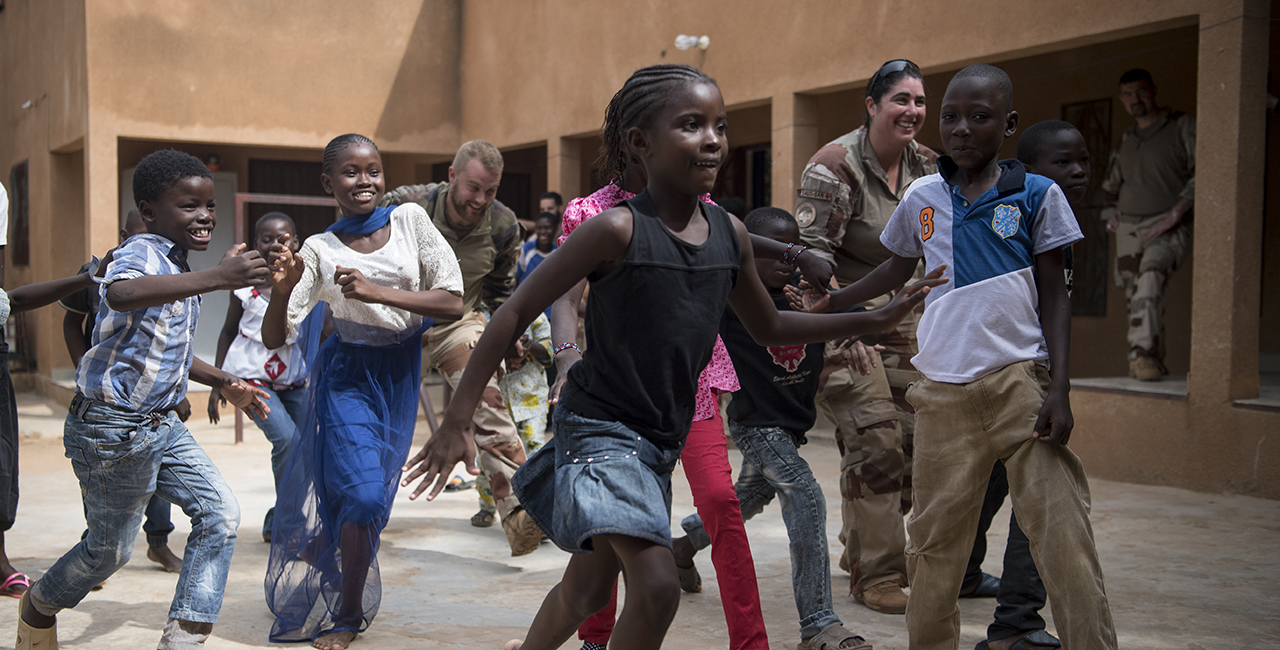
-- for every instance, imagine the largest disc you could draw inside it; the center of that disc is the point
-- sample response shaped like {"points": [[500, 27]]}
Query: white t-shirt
{"points": [[4, 216], [986, 316]]}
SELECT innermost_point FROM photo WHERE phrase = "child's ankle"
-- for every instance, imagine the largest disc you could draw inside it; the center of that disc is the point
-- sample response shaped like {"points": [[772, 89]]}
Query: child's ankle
{"points": [[184, 635]]}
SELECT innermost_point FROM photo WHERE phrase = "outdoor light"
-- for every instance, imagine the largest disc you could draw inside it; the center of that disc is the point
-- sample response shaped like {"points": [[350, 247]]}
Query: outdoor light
{"points": [[28, 104], [687, 42]]}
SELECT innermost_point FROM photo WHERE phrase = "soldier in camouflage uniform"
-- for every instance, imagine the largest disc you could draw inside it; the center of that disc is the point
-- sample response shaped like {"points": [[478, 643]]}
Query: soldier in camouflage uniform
{"points": [[1151, 183], [486, 238], [845, 199]]}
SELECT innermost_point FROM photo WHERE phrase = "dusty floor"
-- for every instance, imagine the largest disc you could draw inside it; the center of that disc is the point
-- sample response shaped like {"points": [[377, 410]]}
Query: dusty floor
{"points": [[1183, 570]]}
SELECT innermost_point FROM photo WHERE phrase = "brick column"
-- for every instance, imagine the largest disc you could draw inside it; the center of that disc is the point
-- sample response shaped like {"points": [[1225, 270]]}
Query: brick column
{"points": [[795, 140]]}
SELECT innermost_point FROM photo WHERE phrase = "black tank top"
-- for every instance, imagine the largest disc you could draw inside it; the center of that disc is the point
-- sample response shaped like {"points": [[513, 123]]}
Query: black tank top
{"points": [[651, 324]]}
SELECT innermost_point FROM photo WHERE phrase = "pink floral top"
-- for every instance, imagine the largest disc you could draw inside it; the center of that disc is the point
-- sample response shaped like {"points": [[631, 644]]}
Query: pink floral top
{"points": [[719, 375]]}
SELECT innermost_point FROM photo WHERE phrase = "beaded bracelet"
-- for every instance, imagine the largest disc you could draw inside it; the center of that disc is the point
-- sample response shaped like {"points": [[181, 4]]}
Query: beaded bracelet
{"points": [[788, 258], [566, 346]]}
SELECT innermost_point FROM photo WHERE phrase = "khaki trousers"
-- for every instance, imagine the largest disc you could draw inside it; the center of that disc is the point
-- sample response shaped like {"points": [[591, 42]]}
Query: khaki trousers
{"points": [[448, 349], [962, 430]]}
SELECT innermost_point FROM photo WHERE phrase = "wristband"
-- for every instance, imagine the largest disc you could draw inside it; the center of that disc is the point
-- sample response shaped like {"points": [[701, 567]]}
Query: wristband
{"points": [[566, 346], [789, 258]]}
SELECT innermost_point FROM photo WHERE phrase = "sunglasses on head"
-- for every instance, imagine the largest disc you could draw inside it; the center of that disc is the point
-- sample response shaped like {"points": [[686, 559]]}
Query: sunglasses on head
{"points": [[889, 68]]}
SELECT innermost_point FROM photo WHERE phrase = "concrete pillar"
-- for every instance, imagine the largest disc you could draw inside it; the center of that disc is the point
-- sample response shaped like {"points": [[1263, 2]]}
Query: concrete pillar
{"points": [[564, 167], [795, 140], [1230, 151], [102, 190]]}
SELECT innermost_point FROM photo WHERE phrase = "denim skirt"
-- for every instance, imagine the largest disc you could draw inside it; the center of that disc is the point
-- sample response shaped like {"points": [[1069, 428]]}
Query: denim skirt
{"points": [[597, 477]]}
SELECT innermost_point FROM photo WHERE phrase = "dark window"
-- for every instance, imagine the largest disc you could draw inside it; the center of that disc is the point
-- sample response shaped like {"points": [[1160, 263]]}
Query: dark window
{"points": [[292, 177]]}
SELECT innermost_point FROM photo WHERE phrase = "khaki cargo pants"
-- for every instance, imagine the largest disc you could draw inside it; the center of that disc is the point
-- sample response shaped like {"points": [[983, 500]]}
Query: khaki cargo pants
{"points": [[874, 425], [1142, 270], [448, 349]]}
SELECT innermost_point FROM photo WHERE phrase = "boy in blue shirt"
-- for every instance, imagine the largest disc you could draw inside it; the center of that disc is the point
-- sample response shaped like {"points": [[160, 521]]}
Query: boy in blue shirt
{"points": [[123, 436], [986, 338]]}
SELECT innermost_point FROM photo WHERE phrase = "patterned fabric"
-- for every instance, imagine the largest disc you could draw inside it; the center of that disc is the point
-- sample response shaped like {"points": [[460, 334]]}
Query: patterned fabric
{"points": [[719, 376], [525, 388], [415, 258], [139, 359]]}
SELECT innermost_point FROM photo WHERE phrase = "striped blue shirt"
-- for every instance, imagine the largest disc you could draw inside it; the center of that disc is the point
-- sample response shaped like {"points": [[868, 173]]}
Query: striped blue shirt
{"points": [[139, 359]]}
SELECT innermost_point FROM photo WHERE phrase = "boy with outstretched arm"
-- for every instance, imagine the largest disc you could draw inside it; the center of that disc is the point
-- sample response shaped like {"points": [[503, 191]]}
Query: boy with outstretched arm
{"points": [[986, 338], [123, 437]]}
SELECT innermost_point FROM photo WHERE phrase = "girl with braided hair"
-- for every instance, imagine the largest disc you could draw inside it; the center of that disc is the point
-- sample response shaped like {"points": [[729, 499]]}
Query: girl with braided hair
{"points": [[662, 267], [384, 273]]}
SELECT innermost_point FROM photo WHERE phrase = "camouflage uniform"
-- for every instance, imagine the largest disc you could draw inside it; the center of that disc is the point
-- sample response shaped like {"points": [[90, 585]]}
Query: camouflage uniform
{"points": [[1153, 168], [844, 203], [487, 255]]}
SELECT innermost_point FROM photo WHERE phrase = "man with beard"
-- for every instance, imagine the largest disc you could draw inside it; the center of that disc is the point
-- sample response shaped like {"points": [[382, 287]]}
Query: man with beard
{"points": [[486, 238], [1151, 183]]}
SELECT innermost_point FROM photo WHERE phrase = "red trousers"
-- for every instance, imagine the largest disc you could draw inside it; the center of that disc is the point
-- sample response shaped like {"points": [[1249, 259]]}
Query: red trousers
{"points": [[706, 465]]}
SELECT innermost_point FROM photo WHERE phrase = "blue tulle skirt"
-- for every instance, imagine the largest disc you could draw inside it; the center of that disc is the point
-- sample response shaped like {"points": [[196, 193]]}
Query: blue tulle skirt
{"points": [[336, 493]]}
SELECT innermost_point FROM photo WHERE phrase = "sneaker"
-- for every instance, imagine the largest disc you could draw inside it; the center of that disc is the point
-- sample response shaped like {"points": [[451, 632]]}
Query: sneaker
{"points": [[1145, 369], [523, 535], [886, 597]]}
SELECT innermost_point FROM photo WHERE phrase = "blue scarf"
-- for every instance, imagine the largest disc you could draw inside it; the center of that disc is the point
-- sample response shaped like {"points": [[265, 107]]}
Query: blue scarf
{"points": [[362, 224]]}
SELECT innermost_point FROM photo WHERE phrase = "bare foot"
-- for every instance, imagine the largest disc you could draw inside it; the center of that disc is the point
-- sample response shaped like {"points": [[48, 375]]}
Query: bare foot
{"points": [[165, 558], [513, 644], [338, 640]]}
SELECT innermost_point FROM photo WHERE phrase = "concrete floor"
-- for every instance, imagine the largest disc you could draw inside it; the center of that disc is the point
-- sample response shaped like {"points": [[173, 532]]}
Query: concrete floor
{"points": [[1183, 569]]}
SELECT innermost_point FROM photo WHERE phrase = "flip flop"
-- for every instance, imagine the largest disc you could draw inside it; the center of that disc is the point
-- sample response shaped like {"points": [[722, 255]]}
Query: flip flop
{"points": [[16, 579], [690, 580], [988, 587]]}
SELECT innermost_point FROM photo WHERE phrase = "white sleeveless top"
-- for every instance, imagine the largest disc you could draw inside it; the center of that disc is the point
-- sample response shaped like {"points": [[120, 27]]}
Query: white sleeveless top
{"points": [[249, 359]]}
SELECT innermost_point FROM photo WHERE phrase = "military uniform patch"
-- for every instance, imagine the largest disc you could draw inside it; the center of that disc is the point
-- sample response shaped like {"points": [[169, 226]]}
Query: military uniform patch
{"points": [[805, 214], [1005, 220], [816, 195]]}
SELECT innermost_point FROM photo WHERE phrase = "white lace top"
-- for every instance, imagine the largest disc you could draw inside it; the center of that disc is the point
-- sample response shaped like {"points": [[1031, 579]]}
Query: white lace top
{"points": [[416, 257]]}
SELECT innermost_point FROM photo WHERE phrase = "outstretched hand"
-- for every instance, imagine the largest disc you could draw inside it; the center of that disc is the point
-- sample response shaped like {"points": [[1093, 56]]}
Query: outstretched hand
{"points": [[807, 298], [435, 462], [913, 294], [242, 268], [285, 265], [250, 399], [1055, 421]]}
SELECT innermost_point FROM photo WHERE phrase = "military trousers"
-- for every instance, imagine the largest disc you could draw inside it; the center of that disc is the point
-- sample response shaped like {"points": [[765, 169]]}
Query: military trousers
{"points": [[1142, 270]]}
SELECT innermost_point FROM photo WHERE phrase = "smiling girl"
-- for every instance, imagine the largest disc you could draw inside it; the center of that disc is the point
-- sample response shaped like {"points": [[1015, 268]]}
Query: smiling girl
{"points": [[662, 267], [383, 272]]}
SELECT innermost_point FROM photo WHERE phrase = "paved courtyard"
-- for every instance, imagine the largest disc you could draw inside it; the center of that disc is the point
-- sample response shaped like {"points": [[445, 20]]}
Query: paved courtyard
{"points": [[1183, 569]]}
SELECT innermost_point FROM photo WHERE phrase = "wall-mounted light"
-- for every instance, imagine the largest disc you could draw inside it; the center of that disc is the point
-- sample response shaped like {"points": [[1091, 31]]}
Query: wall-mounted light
{"points": [[688, 42], [30, 103]]}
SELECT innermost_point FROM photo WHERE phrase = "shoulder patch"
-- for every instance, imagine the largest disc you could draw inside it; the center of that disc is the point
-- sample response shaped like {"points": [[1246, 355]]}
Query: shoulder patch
{"points": [[806, 193], [1005, 220], [805, 214]]}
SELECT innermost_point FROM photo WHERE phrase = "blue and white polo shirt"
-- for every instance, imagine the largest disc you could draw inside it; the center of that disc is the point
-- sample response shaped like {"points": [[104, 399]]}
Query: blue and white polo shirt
{"points": [[985, 317]]}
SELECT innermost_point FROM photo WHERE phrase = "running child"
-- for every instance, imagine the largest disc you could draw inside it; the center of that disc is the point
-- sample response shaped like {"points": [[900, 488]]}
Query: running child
{"points": [[77, 332], [280, 373], [994, 332], [122, 430], [340, 479], [768, 419], [662, 267]]}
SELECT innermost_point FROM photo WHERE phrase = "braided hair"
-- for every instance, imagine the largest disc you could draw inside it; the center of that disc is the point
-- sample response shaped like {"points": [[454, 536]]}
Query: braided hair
{"points": [[635, 105], [339, 143]]}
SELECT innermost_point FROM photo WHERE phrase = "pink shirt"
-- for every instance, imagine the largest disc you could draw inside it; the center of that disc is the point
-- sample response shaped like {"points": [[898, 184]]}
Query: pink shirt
{"points": [[719, 375]]}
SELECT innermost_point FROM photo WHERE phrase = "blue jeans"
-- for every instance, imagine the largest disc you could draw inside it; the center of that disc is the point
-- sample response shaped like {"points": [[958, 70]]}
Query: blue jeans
{"points": [[280, 428], [122, 458], [771, 465]]}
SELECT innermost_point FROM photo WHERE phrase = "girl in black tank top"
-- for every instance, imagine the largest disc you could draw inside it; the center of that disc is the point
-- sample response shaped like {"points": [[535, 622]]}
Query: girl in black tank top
{"points": [[663, 268]]}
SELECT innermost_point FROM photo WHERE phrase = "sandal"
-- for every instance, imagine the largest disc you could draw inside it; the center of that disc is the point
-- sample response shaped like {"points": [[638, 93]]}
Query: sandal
{"points": [[690, 580], [458, 484], [834, 637], [10, 585], [34, 637], [482, 519], [988, 587]]}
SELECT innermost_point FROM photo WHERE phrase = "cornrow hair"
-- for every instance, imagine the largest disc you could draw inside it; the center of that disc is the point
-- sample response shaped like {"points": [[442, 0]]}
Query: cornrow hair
{"points": [[339, 143], [1030, 145], [160, 170], [635, 105], [758, 218]]}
